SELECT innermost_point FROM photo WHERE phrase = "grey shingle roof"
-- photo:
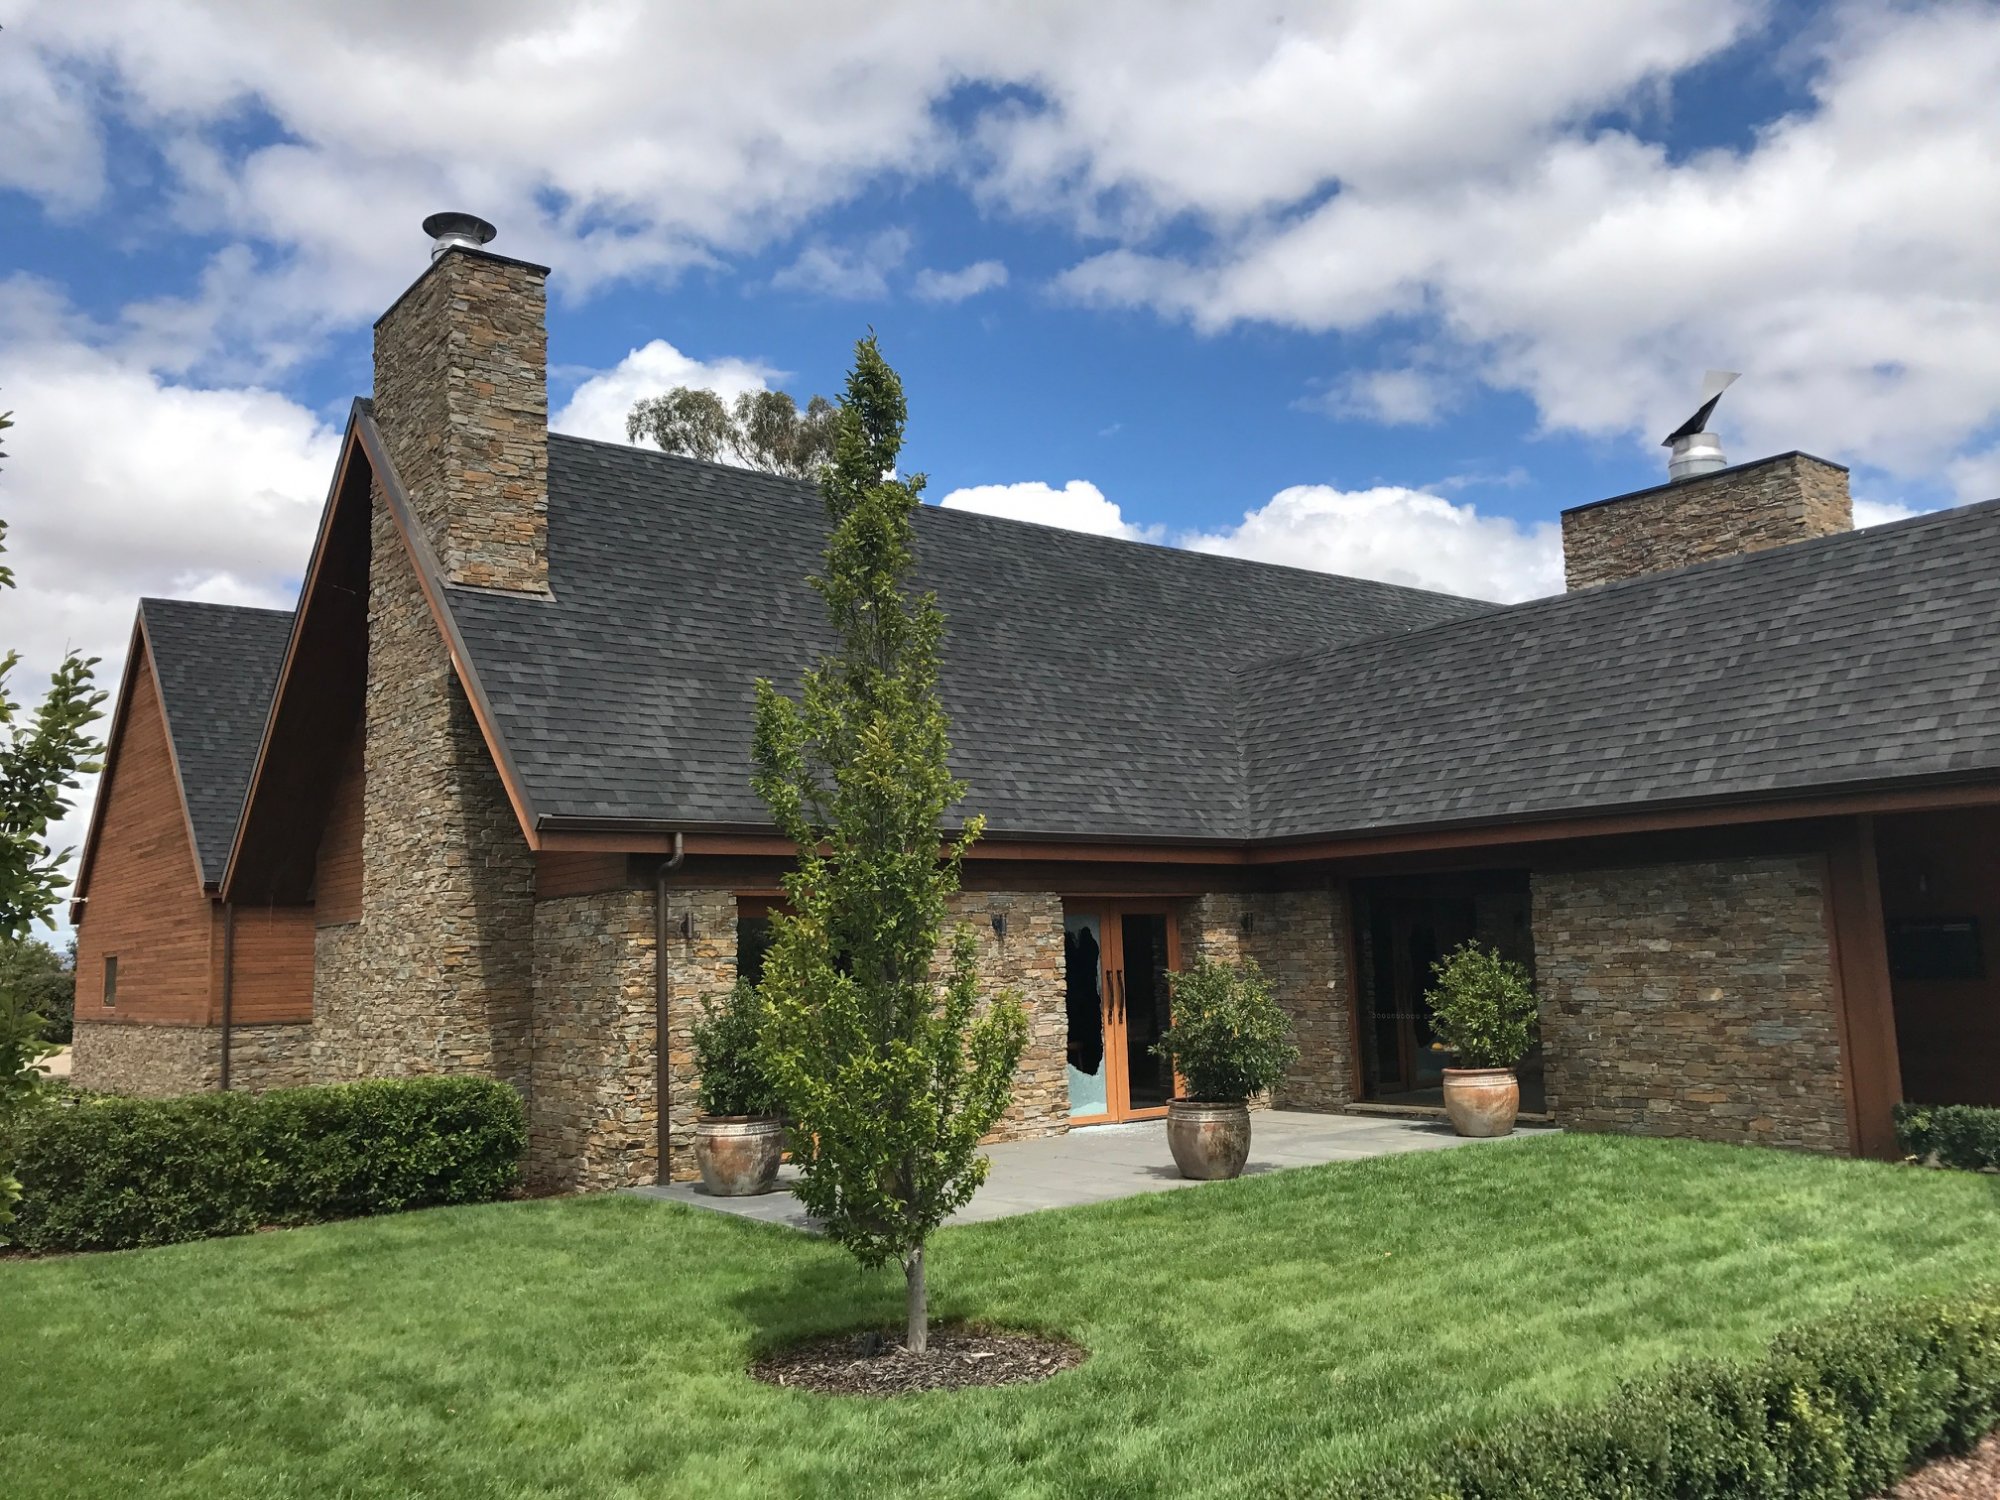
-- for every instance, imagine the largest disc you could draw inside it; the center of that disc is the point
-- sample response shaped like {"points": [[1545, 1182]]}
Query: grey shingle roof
{"points": [[217, 667], [1090, 681], [1859, 658], [1105, 689]]}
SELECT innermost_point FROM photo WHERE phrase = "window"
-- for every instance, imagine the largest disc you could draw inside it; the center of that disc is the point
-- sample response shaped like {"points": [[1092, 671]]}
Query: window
{"points": [[110, 981], [1946, 949]]}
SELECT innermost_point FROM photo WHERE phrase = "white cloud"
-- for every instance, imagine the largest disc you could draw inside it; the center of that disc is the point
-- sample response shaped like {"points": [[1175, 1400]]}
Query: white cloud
{"points": [[857, 272], [1843, 260], [1078, 506], [1407, 397], [1390, 533], [1397, 535], [1880, 512], [598, 406], [932, 285]]}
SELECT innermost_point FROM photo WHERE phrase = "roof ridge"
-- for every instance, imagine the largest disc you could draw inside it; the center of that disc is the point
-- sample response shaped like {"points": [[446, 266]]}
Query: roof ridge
{"points": [[1856, 536], [247, 609], [976, 517]]}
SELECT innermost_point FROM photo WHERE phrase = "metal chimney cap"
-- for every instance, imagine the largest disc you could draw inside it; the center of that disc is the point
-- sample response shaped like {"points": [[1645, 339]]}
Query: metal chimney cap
{"points": [[451, 230]]}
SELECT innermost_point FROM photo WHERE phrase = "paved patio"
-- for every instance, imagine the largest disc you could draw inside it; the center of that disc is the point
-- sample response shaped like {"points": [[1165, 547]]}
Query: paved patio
{"points": [[1102, 1162]]}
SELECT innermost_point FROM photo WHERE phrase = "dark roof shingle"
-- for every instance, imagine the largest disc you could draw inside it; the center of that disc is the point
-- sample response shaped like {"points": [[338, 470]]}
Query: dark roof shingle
{"points": [[217, 667], [1090, 681]]}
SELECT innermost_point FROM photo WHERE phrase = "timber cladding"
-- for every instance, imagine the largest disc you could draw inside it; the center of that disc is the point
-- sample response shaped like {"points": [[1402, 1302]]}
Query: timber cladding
{"points": [[145, 905], [337, 873]]}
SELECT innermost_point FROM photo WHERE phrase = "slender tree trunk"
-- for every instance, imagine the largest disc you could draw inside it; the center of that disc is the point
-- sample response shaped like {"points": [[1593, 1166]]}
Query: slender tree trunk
{"points": [[918, 1339]]}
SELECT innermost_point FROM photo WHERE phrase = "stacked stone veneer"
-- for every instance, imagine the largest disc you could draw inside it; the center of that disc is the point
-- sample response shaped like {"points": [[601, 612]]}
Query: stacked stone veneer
{"points": [[1027, 963], [461, 391], [157, 1062], [437, 975], [701, 970], [594, 1121], [1743, 509], [1692, 1000], [1298, 938]]}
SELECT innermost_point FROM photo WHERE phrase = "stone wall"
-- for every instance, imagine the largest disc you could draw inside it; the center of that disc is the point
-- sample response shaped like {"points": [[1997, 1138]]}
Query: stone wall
{"points": [[270, 1056], [153, 1062], [595, 1117], [159, 1062], [461, 393], [1029, 962], [1742, 509], [700, 968], [437, 975], [1298, 938], [1692, 1000]]}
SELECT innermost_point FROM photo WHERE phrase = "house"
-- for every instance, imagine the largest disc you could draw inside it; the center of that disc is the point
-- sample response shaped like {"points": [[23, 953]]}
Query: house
{"points": [[1734, 796]]}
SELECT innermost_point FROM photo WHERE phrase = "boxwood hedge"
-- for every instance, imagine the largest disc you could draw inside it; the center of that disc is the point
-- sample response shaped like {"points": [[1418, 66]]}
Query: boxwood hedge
{"points": [[109, 1173], [1837, 1410], [1952, 1135]]}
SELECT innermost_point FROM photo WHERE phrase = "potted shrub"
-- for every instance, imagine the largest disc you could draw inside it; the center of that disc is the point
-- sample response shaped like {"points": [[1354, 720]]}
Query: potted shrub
{"points": [[739, 1137], [1228, 1042], [1483, 1012]]}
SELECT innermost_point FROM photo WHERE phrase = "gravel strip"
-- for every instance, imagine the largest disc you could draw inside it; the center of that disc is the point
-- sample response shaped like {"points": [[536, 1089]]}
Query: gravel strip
{"points": [[876, 1364]]}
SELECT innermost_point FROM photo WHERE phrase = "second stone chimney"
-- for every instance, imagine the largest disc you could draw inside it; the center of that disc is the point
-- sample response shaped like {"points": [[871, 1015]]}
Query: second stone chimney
{"points": [[1744, 508], [461, 396]]}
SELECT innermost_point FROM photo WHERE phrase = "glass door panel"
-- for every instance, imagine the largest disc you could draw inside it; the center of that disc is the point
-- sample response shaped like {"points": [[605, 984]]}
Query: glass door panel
{"points": [[1089, 1063], [1142, 1009]]}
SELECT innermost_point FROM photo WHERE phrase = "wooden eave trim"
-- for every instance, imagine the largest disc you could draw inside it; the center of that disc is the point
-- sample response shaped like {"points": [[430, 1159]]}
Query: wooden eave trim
{"points": [[308, 591], [608, 836], [430, 578]]}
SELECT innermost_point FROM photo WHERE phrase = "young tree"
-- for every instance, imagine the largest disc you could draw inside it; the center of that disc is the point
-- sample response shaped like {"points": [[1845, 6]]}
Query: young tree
{"points": [[890, 1071], [763, 430], [40, 762]]}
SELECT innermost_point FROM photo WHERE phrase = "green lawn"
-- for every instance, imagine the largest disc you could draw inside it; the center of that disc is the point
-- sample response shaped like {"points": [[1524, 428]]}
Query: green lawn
{"points": [[1244, 1333]]}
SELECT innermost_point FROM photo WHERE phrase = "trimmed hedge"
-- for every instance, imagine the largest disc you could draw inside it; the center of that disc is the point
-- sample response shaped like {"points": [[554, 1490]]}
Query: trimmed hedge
{"points": [[108, 1173], [1837, 1410], [1954, 1135]]}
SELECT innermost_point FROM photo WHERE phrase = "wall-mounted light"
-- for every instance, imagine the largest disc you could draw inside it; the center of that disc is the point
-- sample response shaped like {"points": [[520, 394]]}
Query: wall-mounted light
{"points": [[1000, 924], [687, 926], [1249, 923]]}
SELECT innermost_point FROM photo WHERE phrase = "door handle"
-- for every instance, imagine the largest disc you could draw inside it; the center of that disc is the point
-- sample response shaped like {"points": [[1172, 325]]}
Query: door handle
{"points": [[1121, 997]]}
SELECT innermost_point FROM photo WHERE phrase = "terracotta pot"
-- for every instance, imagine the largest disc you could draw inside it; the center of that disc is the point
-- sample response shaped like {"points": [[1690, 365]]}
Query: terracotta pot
{"points": [[738, 1154], [1209, 1141], [1482, 1101]]}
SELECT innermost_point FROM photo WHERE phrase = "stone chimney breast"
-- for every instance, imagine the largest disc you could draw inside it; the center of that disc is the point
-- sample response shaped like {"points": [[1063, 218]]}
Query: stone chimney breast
{"points": [[1745, 508], [461, 396]]}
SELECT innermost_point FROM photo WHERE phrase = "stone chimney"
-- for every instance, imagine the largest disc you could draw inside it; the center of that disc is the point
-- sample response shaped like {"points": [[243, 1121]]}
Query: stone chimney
{"points": [[462, 398], [1744, 508]]}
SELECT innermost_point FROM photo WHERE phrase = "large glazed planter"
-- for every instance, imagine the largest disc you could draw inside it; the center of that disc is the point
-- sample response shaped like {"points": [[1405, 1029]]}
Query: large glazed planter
{"points": [[1209, 1141], [1482, 1101], [738, 1154]]}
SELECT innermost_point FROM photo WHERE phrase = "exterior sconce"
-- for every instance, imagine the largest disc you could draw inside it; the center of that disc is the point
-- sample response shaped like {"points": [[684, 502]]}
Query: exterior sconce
{"points": [[687, 926], [1000, 924], [1249, 923]]}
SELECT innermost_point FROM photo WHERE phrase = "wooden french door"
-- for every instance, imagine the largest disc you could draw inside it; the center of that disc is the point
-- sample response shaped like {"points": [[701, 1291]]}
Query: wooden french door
{"points": [[1117, 955]]}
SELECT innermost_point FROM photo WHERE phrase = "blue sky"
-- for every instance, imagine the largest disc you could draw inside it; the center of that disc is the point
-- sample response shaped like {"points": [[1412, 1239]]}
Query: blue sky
{"points": [[1378, 289]]}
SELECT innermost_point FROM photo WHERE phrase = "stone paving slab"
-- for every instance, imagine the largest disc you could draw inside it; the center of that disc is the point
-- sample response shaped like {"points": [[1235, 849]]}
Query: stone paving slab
{"points": [[1100, 1162]]}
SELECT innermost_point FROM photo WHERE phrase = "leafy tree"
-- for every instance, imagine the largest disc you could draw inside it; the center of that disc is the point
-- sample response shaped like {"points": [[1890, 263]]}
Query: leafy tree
{"points": [[889, 1065], [41, 759], [763, 430], [44, 981], [1229, 1040]]}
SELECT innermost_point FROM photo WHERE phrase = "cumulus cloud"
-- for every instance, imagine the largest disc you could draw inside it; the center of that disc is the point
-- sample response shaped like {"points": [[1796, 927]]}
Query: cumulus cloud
{"points": [[932, 285], [1390, 533], [856, 272], [1078, 506], [1842, 260], [598, 406]]}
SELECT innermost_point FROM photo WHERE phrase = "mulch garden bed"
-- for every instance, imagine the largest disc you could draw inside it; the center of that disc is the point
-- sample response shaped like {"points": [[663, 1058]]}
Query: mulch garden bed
{"points": [[1974, 1477], [876, 1363]]}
